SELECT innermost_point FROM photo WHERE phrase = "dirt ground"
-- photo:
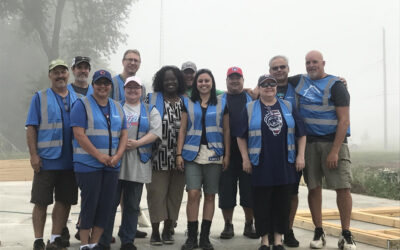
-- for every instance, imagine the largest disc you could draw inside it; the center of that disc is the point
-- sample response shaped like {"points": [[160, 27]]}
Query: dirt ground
{"points": [[16, 170]]}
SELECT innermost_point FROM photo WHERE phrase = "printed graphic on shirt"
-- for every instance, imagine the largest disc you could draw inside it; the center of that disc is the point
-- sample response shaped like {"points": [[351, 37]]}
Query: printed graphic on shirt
{"points": [[273, 119], [132, 119], [312, 93]]}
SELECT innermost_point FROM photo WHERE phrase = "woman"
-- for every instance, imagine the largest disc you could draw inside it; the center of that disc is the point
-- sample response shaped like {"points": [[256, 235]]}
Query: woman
{"points": [[204, 144], [100, 137], [271, 125], [144, 127], [164, 193]]}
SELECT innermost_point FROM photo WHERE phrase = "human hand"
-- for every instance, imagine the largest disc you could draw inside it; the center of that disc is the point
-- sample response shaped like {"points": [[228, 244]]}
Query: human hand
{"points": [[332, 160], [105, 159], [179, 163], [247, 166], [300, 163], [132, 144], [36, 163], [225, 163]]}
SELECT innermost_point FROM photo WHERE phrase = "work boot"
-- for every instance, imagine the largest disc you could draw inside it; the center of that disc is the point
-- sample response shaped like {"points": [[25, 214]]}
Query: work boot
{"points": [[228, 232], [204, 235], [191, 241], [289, 239], [38, 245], [55, 245], [65, 237], [166, 234], [249, 230]]}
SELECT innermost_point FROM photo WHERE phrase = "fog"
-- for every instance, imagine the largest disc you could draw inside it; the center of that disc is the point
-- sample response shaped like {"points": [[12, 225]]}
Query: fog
{"points": [[220, 34]]}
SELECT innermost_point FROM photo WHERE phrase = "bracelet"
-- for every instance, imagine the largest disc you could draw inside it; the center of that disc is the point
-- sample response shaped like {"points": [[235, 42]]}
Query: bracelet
{"points": [[178, 154]]}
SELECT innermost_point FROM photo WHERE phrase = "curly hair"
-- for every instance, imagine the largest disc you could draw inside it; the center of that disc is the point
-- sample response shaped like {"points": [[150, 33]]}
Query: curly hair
{"points": [[158, 79], [195, 92]]}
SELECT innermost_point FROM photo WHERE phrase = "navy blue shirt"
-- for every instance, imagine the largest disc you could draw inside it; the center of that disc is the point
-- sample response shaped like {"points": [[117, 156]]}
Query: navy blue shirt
{"points": [[274, 168], [34, 119], [79, 119]]}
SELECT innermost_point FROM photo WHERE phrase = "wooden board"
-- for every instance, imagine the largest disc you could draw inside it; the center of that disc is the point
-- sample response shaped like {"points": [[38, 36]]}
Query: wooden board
{"points": [[16, 170]]}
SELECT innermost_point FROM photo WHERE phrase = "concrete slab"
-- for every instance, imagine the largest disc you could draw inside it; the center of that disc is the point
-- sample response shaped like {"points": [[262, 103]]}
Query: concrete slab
{"points": [[16, 222]]}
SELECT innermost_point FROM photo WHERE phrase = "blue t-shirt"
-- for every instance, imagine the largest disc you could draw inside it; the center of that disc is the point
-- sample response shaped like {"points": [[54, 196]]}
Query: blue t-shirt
{"points": [[79, 119], [274, 168], [34, 118]]}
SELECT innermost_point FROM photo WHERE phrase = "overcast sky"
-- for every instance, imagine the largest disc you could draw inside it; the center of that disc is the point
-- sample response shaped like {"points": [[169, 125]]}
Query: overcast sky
{"points": [[220, 34]]}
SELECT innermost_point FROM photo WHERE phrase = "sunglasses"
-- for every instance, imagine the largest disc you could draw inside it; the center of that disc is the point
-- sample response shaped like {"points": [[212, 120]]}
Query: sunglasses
{"points": [[281, 67], [268, 84], [102, 83]]}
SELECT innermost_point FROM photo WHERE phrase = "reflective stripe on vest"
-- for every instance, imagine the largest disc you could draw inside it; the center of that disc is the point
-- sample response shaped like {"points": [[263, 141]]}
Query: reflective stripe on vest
{"points": [[318, 112], [255, 133], [97, 131], [118, 89], [144, 127], [214, 128], [50, 132]]}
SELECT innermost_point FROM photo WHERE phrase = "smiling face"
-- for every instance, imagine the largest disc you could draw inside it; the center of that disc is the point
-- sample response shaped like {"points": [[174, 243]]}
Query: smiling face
{"points": [[102, 88], [131, 63], [279, 69], [59, 77], [188, 76], [234, 83], [170, 83], [267, 91], [315, 65], [204, 84], [133, 92], [81, 72]]}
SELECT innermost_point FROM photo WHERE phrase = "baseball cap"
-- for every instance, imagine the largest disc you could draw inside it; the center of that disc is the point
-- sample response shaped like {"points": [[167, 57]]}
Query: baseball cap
{"points": [[265, 77], [189, 65], [57, 62], [101, 74], [79, 59], [234, 70], [133, 79]]}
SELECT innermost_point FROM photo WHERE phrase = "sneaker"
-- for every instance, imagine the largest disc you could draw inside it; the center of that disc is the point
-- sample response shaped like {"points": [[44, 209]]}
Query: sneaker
{"points": [[38, 245], [250, 231], [86, 248], [319, 239], [102, 247], [167, 237], [140, 234], [55, 245], [65, 237], [155, 239], [128, 246], [278, 247], [228, 232], [289, 239], [264, 247], [346, 241]]}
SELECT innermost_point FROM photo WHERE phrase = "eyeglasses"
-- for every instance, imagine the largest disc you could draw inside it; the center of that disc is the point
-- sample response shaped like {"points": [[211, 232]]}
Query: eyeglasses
{"points": [[268, 84], [131, 60], [281, 67], [133, 87]]}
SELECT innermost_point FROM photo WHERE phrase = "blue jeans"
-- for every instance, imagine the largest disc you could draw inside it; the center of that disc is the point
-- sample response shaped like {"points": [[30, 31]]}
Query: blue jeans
{"points": [[132, 194]]}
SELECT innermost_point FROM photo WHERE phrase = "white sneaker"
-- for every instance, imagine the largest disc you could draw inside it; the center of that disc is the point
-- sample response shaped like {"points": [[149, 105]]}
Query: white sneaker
{"points": [[318, 241], [346, 241]]}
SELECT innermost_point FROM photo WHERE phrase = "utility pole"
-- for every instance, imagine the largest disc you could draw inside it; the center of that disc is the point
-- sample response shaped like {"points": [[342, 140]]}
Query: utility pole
{"points": [[385, 138]]}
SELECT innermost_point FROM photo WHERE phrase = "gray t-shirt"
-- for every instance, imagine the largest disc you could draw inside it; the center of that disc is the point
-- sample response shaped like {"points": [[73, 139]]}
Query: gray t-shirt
{"points": [[132, 169]]}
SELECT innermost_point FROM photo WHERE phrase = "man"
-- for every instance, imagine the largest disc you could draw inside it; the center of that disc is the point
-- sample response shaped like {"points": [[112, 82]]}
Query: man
{"points": [[236, 99], [279, 69], [49, 141], [80, 69], [189, 70], [324, 105], [131, 62]]}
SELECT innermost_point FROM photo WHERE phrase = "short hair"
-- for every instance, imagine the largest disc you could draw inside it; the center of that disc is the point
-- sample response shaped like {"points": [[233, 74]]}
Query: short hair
{"points": [[158, 79], [135, 51], [278, 56], [195, 92]]}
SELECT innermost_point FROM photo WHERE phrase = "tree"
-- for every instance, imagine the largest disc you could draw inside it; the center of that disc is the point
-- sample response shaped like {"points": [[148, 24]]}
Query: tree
{"points": [[90, 27]]}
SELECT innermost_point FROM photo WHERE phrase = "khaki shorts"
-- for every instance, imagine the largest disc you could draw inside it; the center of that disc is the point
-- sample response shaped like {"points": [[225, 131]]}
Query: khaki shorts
{"points": [[202, 175], [315, 170]]}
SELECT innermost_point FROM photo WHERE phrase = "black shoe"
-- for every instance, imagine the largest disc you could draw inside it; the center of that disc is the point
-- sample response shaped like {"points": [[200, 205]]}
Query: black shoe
{"points": [[204, 241], [250, 231], [228, 232], [38, 245], [289, 239], [191, 241], [278, 247], [167, 237], [65, 237], [140, 234], [128, 246], [155, 239], [103, 247], [55, 245], [264, 247], [77, 235]]}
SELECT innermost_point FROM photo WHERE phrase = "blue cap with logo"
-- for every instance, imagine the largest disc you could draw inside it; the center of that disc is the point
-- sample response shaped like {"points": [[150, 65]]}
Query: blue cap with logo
{"points": [[101, 74]]}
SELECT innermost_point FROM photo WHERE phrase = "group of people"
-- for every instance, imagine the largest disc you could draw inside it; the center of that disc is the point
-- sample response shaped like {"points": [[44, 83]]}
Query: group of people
{"points": [[109, 139]]}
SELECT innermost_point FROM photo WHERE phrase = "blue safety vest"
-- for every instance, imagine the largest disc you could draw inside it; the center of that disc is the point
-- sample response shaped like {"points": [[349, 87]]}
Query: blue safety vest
{"points": [[77, 95], [156, 99], [50, 132], [290, 95], [144, 127], [255, 132], [214, 128], [118, 89], [315, 106], [98, 131]]}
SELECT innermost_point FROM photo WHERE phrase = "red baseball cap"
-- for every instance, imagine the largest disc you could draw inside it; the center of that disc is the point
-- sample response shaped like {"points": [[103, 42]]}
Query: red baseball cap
{"points": [[234, 70]]}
